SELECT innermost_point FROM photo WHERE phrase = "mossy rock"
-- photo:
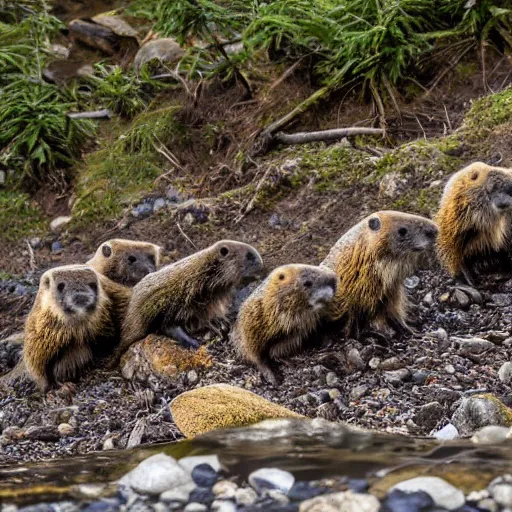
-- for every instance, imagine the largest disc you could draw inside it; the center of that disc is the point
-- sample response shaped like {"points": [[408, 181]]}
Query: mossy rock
{"points": [[163, 357], [222, 406]]}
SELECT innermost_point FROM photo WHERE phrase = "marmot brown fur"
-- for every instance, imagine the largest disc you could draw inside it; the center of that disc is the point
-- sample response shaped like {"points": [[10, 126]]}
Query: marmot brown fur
{"points": [[76, 313], [188, 294], [372, 260], [126, 261], [281, 313], [474, 218]]}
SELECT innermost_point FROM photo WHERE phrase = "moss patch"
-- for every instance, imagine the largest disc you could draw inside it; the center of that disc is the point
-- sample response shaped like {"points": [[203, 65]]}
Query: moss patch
{"points": [[119, 174], [488, 112], [20, 217]]}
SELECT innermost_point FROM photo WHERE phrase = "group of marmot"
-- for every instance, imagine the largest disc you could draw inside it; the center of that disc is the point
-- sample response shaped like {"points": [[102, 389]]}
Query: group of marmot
{"points": [[86, 313]]}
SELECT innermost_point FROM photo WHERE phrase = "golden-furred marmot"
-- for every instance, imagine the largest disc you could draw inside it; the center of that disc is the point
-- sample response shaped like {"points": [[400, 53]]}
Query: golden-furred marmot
{"points": [[188, 294], [76, 312], [372, 260], [281, 314], [474, 218], [126, 261]]}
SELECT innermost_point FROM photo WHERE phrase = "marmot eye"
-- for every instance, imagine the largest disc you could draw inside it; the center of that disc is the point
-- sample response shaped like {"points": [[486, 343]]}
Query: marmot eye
{"points": [[107, 251], [151, 259], [250, 256], [132, 259], [281, 277], [61, 287], [402, 231], [374, 224], [474, 176], [93, 286], [224, 251], [308, 284]]}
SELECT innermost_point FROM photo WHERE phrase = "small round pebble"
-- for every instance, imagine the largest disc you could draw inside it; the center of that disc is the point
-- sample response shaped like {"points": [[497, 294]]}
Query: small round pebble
{"points": [[225, 489], [245, 496], [271, 478], [202, 495], [204, 475], [195, 507]]}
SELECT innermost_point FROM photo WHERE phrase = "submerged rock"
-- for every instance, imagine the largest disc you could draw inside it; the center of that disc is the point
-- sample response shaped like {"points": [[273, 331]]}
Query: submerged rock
{"points": [[222, 406], [271, 478], [341, 502], [442, 493], [480, 411], [163, 50], [491, 435]]}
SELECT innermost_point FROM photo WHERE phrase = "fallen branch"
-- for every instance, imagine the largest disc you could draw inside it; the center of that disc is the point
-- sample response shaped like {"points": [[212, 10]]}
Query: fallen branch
{"points": [[324, 135], [95, 114]]}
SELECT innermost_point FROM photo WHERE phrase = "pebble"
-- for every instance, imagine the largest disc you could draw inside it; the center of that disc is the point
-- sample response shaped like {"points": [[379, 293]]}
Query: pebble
{"points": [[180, 495], [225, 489], [359, 391], [501, 299], [341, 502], [59, 223], [302, 491], [428, 299], [87, 491], [202, 495], [501, 490], [204, 475], [245, 496], [472, 346], [428, 415], [374, 363], [334, 393], [192, 377], [505, 373], [399, 501], [419, 376], [449, 369], [447, 433], [327, 411], [271, 478], [439, 334], [331, 379], [158, 204], [223, 506], [65, 429], [57, 247], [412, 282], [397, 376], [195, 507], [442, 493], [491, 435], [35, 242], [276, 496], [189, 463], [155, 475], [392, 363], [355, 359]]}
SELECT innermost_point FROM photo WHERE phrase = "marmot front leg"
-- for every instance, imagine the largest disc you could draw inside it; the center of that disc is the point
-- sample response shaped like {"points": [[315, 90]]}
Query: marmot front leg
{"points": [[178, 333]]}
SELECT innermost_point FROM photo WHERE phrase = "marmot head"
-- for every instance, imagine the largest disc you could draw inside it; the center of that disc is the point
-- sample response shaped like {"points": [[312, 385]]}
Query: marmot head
{"points": [[312, 287], [236, 262], [125, 261], [398, 234], [71, 292], [484, 186]]}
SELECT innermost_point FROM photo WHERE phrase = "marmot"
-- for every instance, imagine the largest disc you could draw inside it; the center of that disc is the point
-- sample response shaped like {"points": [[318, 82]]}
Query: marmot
{"points": [[188, 294], [76, 313], [474, 218], [124, 261], [281, 313], [372, 260]]}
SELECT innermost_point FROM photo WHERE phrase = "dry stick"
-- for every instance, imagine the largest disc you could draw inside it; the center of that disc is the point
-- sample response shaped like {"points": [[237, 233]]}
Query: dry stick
{"points": [[185, 236], [448, 118], [250, 204], [96, 114], [336, 133], [32, 258], [287, 73]]}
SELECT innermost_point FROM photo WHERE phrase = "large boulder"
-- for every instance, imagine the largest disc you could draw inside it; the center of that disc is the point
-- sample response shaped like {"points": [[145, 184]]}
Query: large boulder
{"points": [[222, 406], [161, 357], [162, 50]]}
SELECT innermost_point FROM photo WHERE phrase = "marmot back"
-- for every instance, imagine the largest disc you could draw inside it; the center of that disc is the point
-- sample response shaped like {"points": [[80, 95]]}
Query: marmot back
{"points": [[125, 261], [189, 294], [372, 260], [281, 313], [474, 218]]}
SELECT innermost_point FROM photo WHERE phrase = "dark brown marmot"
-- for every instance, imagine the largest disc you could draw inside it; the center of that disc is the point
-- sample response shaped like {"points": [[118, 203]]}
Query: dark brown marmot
{"points": [[281, 314], [372, 260], [76, 313], [474, 219], [189, 294], [125, 261]]}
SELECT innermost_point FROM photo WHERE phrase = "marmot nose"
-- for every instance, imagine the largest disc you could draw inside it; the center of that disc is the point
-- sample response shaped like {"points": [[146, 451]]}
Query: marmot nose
{"points": [[82, 300]]}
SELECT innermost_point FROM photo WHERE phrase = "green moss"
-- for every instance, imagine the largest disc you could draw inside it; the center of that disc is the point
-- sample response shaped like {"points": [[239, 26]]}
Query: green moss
{"points": [[422, 202], [19, 216], [119, 174], [488, 112]]}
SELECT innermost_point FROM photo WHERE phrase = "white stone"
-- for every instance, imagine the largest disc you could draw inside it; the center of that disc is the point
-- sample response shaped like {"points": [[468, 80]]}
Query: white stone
{"points": [[245, 496], [195, 507], [276, 496], [505, 373], [192, 377], [65, 429], [341, 502], [87, 491], [491, 434], [189, 463], [477, 495], [155, 475], [447, 433], [225, 489], [439, 334], [223, 506], [59, 223], [180, 495], [331, 379], [501, 490], [442, 493], [271, 478]]}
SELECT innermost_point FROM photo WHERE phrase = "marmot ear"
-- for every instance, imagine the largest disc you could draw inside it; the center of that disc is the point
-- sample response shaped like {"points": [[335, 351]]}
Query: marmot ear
{"points": [[374, 223], [474, 176], [46, 282], [106, 251]]}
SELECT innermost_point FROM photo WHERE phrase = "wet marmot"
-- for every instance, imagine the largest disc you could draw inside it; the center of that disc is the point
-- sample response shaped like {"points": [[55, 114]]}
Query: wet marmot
{"points": [[125, 261], [474, 218], [281, 313], [372, 260], [188, 294], [76, 311]]}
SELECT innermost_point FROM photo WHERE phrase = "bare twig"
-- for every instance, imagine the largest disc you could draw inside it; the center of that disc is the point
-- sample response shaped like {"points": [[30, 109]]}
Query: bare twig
{"points": [[324, 135], [185, 236], [287, 73], [250, 204], [32, 258], [96, 114], [448, 118], [421, 126]]}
